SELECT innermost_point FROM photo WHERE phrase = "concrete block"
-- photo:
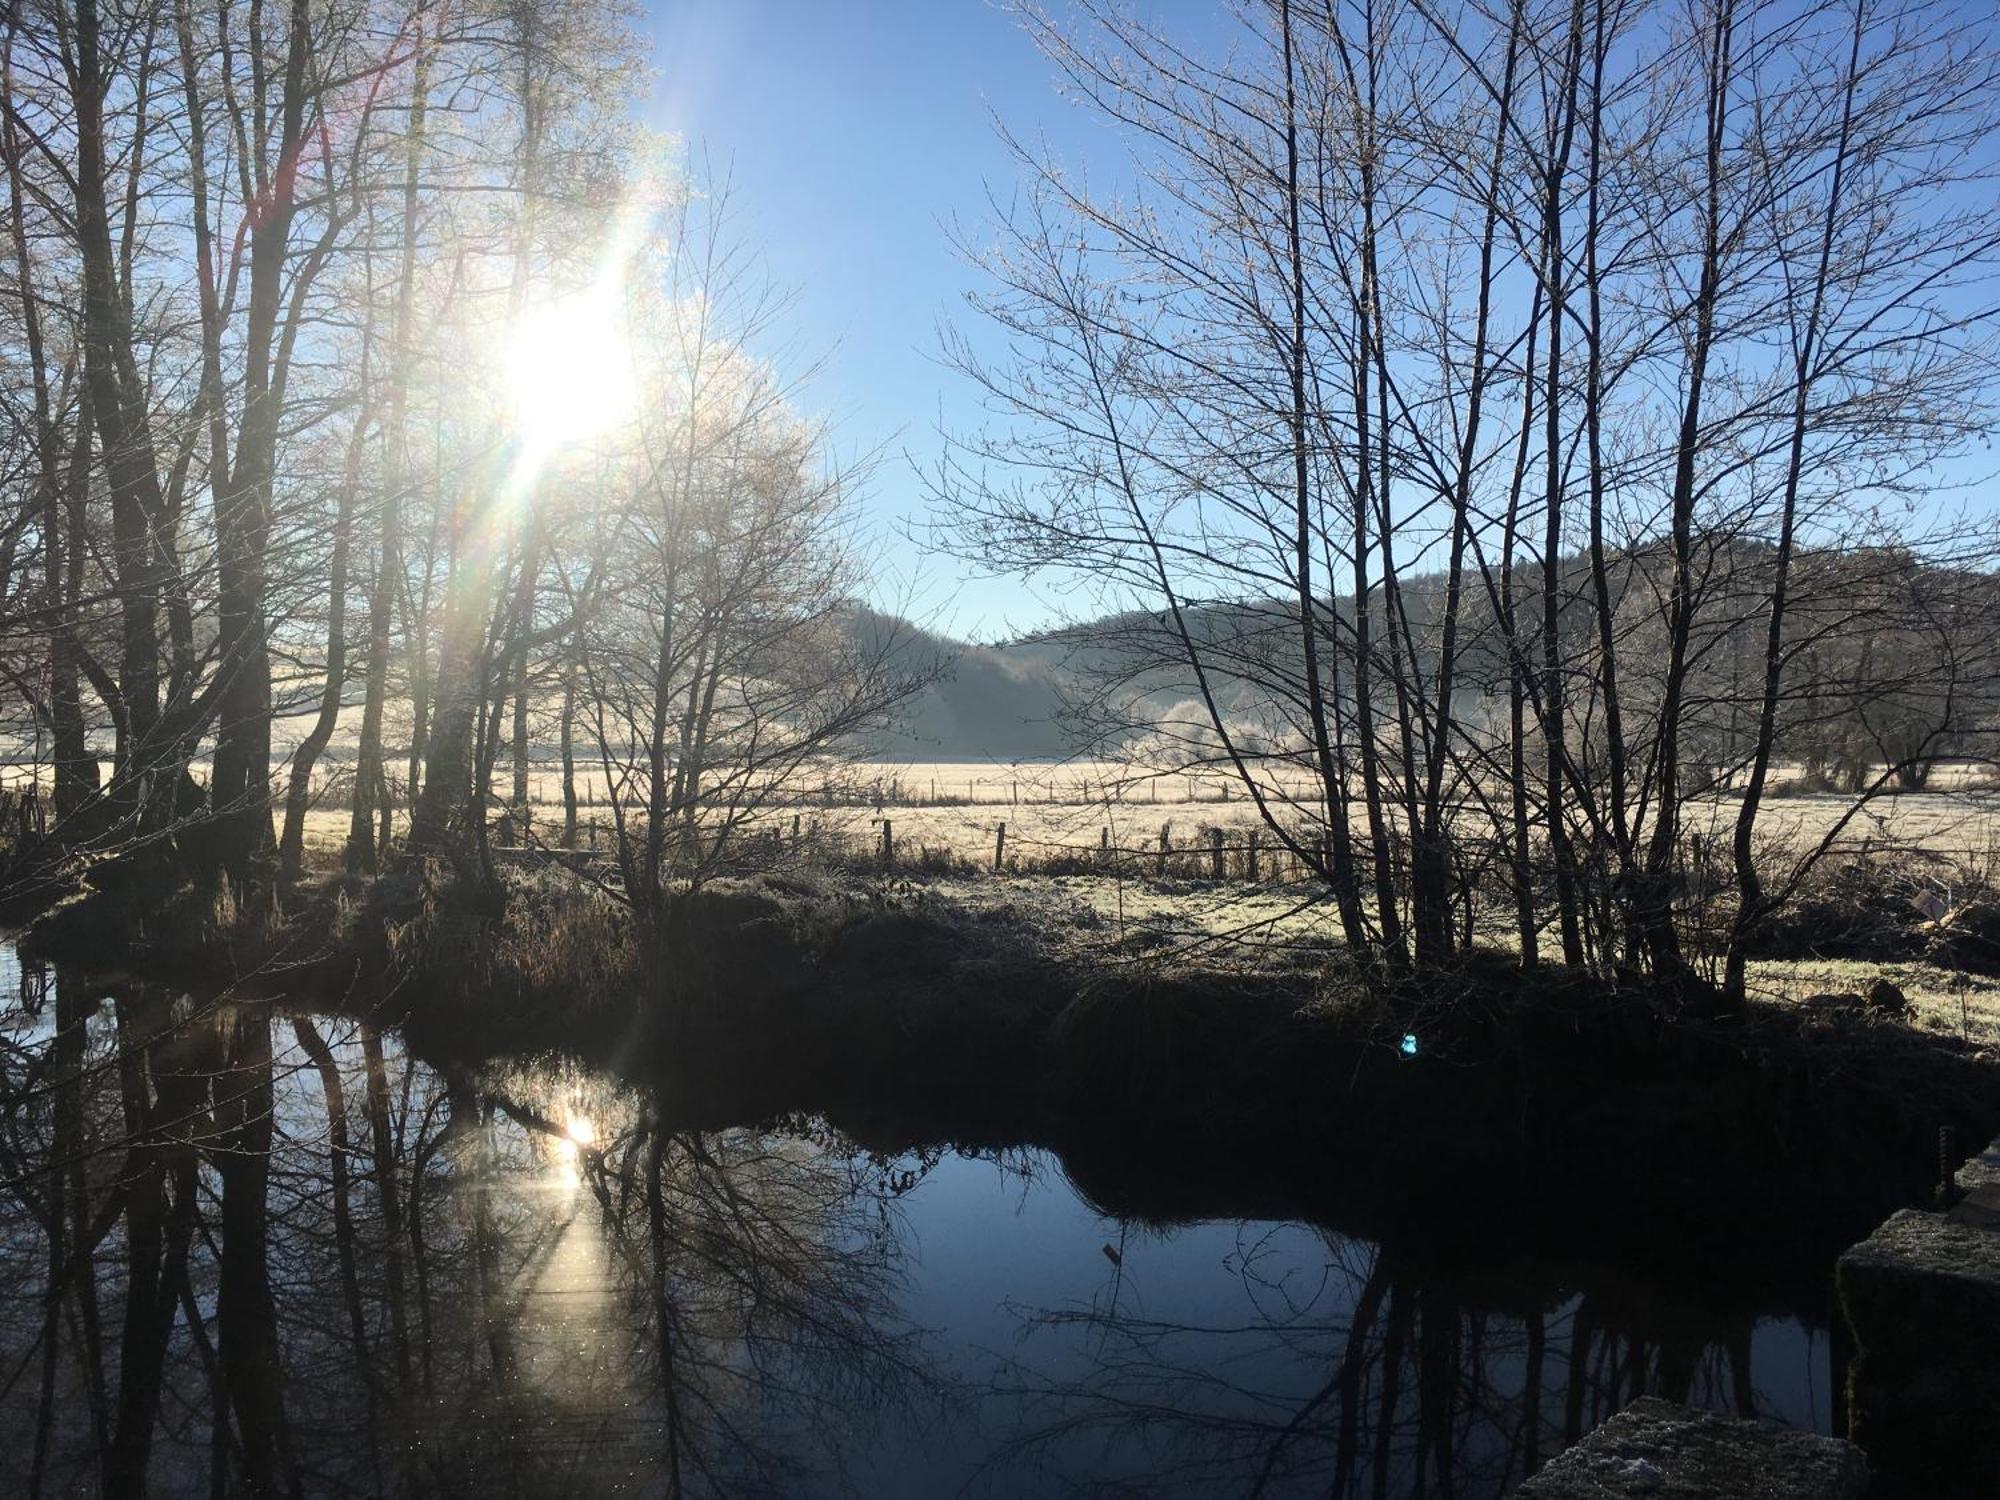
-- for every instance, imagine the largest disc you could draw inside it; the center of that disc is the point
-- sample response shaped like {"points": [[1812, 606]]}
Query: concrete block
{"points": [[1982, 1171], [1921, 1298], [1664, 1451]]}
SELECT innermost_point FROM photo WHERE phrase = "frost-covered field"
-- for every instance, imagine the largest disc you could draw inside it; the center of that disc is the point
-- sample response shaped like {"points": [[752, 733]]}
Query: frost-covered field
{"points": [[1075, 810]]}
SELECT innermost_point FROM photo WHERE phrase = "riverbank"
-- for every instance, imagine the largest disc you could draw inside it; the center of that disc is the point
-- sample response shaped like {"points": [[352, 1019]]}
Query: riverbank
{"points": [[1539, 1109]]}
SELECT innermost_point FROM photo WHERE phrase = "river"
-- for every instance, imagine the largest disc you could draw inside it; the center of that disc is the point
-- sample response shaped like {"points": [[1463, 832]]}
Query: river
{"points": [[287, 1256]]}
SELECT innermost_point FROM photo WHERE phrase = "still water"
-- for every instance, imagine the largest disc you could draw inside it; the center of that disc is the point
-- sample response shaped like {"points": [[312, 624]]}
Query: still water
{"points": [[244, 1250]]}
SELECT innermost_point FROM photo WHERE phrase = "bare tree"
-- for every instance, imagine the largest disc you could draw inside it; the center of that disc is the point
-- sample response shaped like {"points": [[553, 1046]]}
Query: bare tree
{"points": [[1399, 291]]}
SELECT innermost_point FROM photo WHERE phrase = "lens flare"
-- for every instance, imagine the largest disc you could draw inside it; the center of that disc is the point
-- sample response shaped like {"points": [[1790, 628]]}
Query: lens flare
{"points": [[570, 371]]}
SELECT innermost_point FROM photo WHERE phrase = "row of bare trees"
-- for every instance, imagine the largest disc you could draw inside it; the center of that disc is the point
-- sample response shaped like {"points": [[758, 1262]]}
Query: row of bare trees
{"points": [[1531, 417], [275, 498]]}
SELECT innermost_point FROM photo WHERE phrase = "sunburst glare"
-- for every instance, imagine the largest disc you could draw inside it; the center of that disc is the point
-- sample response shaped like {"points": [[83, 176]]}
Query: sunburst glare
{"points": [[569, 370]]}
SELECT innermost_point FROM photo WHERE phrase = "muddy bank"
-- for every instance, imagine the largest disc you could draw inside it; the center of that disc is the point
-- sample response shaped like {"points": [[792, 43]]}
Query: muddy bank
{"points": [[1510, 1111]]}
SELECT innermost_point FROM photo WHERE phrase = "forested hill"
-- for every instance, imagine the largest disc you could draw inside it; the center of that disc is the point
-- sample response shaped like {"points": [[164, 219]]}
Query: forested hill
{"points": [[1005, 702], [1025, 698]]}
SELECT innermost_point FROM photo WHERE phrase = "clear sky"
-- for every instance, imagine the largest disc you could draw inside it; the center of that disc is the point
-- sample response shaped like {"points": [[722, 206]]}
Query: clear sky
{"points": [[856, 130]]}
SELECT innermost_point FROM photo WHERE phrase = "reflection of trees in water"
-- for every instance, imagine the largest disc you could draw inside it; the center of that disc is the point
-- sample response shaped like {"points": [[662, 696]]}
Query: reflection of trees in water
{"points": [[245, 1252], [248, 1252], [771, 1282], [1360, 1374]]}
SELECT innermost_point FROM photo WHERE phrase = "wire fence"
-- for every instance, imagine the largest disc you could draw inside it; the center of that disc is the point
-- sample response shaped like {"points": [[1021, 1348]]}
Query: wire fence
{"points": [[1251, 854], [1083, 826]]}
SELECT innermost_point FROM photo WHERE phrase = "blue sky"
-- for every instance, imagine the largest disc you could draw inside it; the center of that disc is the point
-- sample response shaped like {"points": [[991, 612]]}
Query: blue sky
{"points": [[855, 130]]}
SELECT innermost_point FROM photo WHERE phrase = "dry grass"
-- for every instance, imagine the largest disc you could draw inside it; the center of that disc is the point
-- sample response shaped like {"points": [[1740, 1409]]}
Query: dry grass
{"points": [[1154, 913], [1947, 1001], [1065, 816]]}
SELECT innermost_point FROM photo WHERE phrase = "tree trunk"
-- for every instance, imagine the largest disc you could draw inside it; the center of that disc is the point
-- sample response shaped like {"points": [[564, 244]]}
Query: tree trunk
{"points": [[568, 733], [1337, 863], [370, 778], [1750, 887], [117, 404], [1431, 847], [240, 788], [291, 846], [1554, 710], [1654, 916]]}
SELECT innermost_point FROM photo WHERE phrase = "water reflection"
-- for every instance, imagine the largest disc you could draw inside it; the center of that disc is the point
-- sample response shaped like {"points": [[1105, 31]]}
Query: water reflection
{"points": [[1339, 1368], [249, 1252], [246, 1251]]}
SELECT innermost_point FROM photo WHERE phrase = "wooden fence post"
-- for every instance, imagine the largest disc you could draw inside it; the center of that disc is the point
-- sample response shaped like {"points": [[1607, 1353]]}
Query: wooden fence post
{"points": [[888, 847], [1215, 851], [1251, 873], [1104, 847], [795, 833], [1000, 848], [1166, 843]]}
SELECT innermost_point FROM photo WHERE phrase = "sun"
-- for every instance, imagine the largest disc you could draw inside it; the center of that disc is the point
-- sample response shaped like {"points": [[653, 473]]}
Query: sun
{"points": [[569, 371]]}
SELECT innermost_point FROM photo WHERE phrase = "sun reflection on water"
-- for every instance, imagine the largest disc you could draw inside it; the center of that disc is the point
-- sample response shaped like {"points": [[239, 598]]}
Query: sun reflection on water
{"points": [[578, 1135]]}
